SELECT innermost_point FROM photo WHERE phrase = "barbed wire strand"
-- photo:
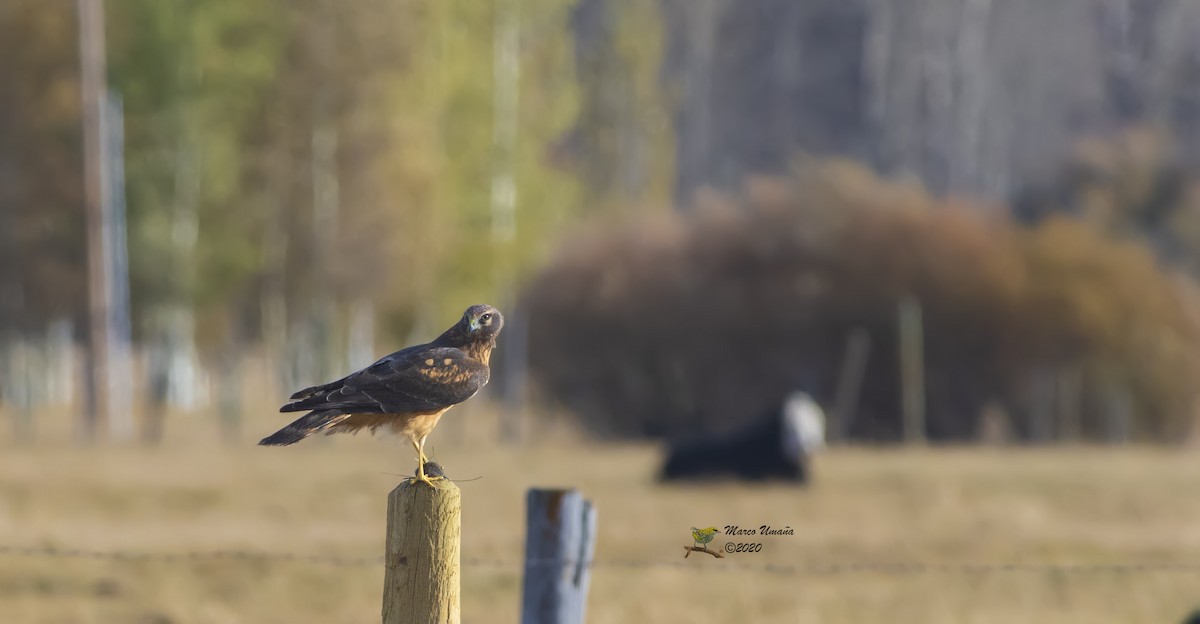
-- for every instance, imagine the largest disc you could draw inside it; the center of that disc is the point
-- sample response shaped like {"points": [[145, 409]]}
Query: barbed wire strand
{"points": [[808, 569]]}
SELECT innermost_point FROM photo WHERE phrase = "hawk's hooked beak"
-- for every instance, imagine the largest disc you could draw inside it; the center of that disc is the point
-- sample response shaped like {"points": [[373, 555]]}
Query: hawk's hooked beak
{"points": [[474, 324]]}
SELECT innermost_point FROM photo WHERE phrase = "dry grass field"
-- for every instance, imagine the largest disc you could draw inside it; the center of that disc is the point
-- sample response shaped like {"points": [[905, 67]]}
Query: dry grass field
{"points": [[961, 505]]}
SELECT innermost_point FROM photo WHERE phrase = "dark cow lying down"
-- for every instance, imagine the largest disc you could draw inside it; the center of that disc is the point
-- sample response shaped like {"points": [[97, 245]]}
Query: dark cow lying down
{"points": [[776, 446]]}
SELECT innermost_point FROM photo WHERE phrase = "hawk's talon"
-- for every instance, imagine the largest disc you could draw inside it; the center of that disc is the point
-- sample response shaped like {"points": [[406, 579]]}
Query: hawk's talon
{"points": [[428, 472], [424, 479]]}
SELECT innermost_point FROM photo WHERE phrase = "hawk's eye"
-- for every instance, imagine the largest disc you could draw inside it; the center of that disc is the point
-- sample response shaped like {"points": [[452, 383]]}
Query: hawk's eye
{"points": [[486, 317]]}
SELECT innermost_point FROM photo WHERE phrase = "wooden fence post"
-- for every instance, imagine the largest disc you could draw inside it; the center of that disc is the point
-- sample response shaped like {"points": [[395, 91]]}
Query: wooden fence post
{"points": [[1069, 388], [912, 371], [421, 565], [849, 384], [560, 540], [1041, 409]]}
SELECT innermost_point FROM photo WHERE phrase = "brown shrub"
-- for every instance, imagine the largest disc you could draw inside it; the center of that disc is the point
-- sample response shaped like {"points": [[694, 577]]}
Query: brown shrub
{"points": [[663, 326]]}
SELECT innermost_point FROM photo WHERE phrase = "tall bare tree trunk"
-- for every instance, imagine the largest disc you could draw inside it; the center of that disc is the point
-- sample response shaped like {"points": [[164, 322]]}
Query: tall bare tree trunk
{"points": [[93, 89]]}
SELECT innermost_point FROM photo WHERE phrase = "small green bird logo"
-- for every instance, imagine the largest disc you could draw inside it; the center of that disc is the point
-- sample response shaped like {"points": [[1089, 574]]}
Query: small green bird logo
{"points": [[701, 539], [703, 536]]}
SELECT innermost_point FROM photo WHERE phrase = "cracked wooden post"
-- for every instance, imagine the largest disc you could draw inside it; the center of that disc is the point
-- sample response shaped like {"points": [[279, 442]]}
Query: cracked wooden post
{"points": [[560, 539], [421, 565]]}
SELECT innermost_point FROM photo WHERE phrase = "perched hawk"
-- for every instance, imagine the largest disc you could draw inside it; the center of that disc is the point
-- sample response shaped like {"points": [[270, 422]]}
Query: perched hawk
{"points": [[407, 391]]}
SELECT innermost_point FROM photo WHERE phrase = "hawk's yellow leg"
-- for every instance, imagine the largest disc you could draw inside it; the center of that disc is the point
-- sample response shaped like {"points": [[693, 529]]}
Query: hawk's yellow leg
{"points": [[421, 459]]}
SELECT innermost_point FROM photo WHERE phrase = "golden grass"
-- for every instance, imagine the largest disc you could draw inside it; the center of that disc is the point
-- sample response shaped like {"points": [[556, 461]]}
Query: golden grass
{"points": [[961, 505]]}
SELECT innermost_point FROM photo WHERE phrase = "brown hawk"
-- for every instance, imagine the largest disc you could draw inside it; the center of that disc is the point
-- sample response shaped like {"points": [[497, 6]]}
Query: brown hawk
{"points": [[407, 391]]}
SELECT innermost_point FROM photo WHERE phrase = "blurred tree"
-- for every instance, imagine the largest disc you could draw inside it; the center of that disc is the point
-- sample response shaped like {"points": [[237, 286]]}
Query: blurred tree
{"points": [[194, 77], [42, 251], [437, 118], [619, 144], [969, 96], [42, 254]]}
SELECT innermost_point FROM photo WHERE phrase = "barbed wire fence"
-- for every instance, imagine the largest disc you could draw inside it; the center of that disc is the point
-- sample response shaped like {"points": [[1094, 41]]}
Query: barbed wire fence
{"points": [[804, 569]]}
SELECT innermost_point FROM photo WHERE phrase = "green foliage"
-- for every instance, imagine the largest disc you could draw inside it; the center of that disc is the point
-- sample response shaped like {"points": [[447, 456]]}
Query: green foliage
{"points": [[660, 324], [226, 101], [194, 77], [440, 117]]}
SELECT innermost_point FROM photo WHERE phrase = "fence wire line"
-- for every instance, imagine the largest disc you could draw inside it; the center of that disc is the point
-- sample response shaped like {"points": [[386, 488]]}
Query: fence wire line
{"points": [[808, 569]]}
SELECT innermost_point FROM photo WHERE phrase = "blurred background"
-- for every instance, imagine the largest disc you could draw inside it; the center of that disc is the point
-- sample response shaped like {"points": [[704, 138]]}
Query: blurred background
{"points": [[968, 230]]}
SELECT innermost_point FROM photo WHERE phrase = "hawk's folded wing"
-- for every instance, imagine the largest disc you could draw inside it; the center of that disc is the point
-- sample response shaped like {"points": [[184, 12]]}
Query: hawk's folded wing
{"points": [[413, 380]]}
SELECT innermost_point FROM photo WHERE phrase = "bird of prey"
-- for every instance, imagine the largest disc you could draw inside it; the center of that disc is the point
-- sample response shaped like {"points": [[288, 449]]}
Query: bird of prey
{"points": [[407, 391]]}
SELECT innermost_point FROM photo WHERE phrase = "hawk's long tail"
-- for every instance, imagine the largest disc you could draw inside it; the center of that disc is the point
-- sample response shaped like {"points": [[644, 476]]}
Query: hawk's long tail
{"points": [[306, 425]]}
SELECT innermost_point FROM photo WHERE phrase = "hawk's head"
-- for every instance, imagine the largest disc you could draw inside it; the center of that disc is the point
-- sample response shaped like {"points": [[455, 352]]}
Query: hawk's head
{"points": [[483, 321]]}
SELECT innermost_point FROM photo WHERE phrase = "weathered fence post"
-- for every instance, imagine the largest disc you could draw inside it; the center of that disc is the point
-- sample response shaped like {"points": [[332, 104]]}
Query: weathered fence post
{"points": [[560, 539], [421, 565], [849, 384], [912, 371]]}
